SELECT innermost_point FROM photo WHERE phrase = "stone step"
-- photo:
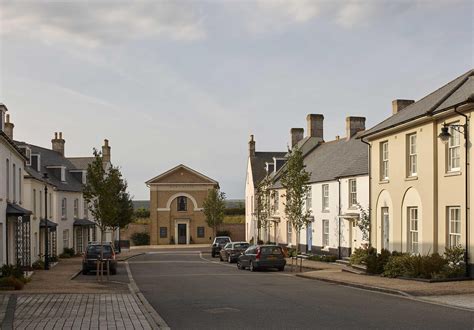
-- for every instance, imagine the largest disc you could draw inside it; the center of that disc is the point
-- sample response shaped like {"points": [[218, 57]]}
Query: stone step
{"points": [[343, 262], [353, 270]]}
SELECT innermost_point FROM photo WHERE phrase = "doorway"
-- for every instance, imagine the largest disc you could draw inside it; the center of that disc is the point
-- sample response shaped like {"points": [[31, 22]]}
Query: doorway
{"points": [[385, 228], [182, 234], [309, 236]]}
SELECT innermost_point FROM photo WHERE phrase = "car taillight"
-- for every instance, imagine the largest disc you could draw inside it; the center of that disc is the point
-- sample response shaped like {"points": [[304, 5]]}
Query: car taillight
{"points": [[257, 257]]}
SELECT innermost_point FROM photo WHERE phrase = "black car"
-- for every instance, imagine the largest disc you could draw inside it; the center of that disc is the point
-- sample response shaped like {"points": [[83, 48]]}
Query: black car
{"points": [[232, 251], [219, 243], [93, 253], [262, 257]]}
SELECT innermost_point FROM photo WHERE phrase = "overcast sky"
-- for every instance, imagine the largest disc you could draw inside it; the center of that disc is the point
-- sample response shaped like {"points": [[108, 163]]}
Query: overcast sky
{"points": [[188, 81]]}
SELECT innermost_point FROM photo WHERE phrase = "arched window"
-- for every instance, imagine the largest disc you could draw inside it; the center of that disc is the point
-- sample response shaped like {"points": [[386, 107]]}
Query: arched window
{"points": [[182, 203]]}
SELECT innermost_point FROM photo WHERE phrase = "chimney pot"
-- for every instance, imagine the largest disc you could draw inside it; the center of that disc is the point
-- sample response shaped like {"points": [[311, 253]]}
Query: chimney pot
{"points": [[251, 146], [398, 105], [106, 155], [337, 137], [354, 125], [297, 134], [8, 127], [58, 143], [315, 124]]}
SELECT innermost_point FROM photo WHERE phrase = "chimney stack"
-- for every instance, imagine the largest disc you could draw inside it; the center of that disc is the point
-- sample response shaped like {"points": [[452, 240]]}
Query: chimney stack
{"points": [[354, 125], [8, 128], [106, 156], [297, 134], [315, 125], [251, 146], [3, 110], [58, 143], [398, 105]]}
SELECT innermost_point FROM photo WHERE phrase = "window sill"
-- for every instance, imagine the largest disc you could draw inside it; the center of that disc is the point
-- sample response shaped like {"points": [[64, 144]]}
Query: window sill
{"points": [[411, 178], [384, 181], [353, 207], [454, 173], [325, 211]]}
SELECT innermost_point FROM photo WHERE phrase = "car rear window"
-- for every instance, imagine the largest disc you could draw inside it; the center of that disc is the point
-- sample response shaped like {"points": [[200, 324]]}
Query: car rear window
{"points": [[271, 250], [96, 249], [222, 240], [241, 245]]}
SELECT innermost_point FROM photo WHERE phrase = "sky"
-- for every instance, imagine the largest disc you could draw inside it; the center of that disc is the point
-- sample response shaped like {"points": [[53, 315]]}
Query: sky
{"points": [[187, 82]]}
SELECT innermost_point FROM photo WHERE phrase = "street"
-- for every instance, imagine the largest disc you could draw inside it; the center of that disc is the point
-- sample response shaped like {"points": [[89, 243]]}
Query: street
{"points": [[191, 290]]}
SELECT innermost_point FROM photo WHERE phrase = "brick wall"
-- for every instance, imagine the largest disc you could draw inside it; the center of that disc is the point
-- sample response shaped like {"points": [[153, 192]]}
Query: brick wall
{"points": [[237, 230], [131, 229]]}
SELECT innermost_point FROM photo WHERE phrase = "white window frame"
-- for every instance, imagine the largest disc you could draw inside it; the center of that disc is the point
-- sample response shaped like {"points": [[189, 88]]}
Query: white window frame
{"points": [[413, 229], [34, 203], [63, 174], [309, 199], [276, 201], [289, 232], [64, 208], [41, 202], [65, 238], [325, 197], [86, 209], [454, 151], [412, 155], [76, 208], [325, 232], [14, 183], [454, 226], [352, 192], [384, 164]]}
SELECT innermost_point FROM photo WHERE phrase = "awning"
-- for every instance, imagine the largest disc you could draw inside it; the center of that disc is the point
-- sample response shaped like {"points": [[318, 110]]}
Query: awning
{"points": [[84, 222], [51, 225], [17, 210]]}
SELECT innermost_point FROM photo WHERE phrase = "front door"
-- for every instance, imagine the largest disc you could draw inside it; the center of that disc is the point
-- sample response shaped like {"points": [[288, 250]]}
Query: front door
{"points": [[182, 233], [309, 236], [385, 228], [353, 235]]}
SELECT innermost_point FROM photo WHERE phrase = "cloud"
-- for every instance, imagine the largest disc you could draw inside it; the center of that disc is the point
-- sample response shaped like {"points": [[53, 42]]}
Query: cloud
{"points": [[93, 24]]}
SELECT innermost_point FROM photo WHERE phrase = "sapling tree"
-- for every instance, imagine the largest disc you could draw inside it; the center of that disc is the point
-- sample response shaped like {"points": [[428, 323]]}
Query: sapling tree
{"points": [[295, 181], [105, 193], [363, 223], [263, 208], [214, 208]]}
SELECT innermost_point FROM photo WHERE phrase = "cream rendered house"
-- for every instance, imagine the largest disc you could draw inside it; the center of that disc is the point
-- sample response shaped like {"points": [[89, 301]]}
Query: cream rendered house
{"points": [[421, 188]]}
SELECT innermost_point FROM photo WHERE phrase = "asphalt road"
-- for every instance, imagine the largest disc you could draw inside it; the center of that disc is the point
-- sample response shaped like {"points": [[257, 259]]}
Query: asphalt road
{"points": [[190, 292]]}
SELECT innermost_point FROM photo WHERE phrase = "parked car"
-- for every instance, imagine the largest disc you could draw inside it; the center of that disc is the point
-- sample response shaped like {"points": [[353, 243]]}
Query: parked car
{"points": [[218, 244], [262, 257], [232, 251], [93, 253]]}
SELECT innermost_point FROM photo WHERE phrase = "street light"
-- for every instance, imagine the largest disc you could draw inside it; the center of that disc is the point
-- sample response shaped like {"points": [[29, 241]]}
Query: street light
{"points": [[46, 243], [444, 136]]}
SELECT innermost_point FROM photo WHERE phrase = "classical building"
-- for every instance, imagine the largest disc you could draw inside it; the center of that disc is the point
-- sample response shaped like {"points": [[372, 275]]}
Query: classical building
{"points": [[176, 207], [15, 227], [339, 190], [421, 188]]}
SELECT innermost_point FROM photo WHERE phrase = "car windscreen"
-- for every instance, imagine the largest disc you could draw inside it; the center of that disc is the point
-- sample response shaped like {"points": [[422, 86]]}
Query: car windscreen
{"points": [[241, 245], [221, 240], [95, 249], [275, 250]]}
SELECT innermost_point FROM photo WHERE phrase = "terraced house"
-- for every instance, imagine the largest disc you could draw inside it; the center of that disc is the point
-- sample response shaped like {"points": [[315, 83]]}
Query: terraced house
{"points": [[339, 190], [421, 181]]}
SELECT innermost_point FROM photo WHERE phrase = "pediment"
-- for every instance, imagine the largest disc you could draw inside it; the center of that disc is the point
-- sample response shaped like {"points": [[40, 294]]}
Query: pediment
{"points": [[183, 175]]}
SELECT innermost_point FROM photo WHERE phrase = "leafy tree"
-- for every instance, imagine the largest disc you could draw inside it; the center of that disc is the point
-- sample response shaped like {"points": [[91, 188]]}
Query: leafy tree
{"points": [[141, 213], [106, 194], [263, 208], [364, 222], [214, 208], [295, 181]]}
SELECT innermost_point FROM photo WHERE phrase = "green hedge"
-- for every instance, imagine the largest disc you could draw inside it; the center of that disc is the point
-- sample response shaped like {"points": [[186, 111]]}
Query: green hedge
{"points": [[140, 239]]}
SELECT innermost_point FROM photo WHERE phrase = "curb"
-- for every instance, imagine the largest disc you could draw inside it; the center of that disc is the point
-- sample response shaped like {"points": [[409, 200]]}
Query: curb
{"points": [[75, 275], [130, 257], [152, 313], [358, 286]]}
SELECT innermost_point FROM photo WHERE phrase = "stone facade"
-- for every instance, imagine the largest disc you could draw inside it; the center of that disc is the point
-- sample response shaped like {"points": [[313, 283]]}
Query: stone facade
{"points": [[176, 201]]}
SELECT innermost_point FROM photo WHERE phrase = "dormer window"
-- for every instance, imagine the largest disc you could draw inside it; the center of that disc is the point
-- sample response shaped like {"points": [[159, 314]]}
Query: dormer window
{"points": [[35, 162], [27, 151], [63, 174], [84, 177]]}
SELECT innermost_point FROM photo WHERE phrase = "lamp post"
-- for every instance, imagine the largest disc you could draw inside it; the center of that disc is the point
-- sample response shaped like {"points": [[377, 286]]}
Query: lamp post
{"points": [[46, 235], [445, 136]]}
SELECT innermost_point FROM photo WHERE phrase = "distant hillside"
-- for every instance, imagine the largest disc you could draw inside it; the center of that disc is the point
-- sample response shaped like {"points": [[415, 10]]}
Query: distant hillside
{"points": [[230, 204]]}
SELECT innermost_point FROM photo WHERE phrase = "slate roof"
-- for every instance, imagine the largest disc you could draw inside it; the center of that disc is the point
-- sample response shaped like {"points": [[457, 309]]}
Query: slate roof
{"points": [[455, 92], [335, 159], [49, 157], [81, 163], [258, 165], [12, 143]]}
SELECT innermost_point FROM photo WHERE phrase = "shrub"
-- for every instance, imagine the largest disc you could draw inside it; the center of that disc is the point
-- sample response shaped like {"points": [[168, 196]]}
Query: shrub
{"points": [[11, 282], [377, 261], [53, 259], [324, 258], [67, 253], [359, 256], [396, 265], [235, 211], [223, 233], [140, 239], [11, 271], [38, 264]]}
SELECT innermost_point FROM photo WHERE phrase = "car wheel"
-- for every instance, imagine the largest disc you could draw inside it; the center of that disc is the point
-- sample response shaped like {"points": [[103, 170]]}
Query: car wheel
{"points": [[252, 267], [280, 269], [85, 271], [220, 257], [213, 254], [113, 271], [239, 265]]}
